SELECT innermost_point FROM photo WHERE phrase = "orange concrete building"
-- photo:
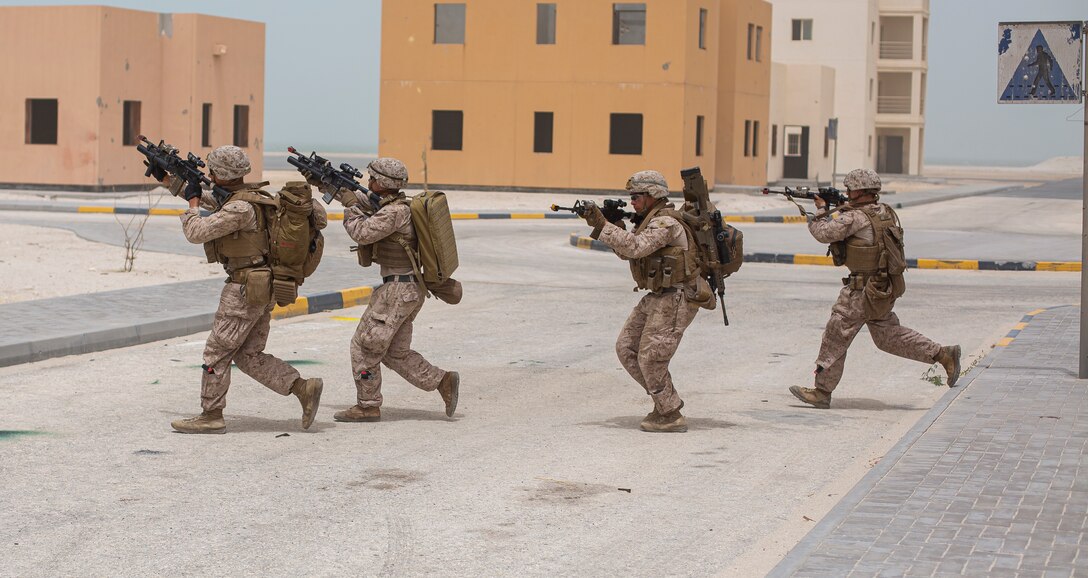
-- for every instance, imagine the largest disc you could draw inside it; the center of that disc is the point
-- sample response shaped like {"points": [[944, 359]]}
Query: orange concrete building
{"points": [[84, 81], [575, 94]]}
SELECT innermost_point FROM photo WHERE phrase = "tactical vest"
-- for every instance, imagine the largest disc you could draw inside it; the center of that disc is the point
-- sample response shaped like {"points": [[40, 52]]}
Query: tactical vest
{"points": [[242, 250], [668, 266], [392, 251], [863, 258]]}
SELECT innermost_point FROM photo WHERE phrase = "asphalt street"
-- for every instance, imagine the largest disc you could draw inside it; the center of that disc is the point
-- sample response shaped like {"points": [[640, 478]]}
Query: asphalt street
{"points": [[543, 470]]}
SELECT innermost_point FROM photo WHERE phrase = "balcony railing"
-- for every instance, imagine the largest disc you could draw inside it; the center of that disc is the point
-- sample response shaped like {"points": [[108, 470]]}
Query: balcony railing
{"points": [[896, 50], [893, 105]]}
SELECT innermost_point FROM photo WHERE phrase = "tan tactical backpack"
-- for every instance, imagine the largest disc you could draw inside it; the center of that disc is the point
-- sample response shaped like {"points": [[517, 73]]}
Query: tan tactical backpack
{"points": [[434, 231]]}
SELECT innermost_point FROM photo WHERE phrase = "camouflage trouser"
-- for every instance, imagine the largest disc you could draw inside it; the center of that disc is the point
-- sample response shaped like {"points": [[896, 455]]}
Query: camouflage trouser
{"points": [[648, 341], [847, 317], [239, 333], [384, 336]]}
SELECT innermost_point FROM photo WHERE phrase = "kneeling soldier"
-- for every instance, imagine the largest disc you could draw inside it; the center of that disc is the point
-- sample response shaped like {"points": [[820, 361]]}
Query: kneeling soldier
{"points": [[661, 251], [239, 239], [865, 235], [385, 235]]}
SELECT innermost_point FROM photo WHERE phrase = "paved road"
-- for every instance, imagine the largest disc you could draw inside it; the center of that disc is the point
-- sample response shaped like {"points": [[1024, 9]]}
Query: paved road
{"points": [[527, 479]]}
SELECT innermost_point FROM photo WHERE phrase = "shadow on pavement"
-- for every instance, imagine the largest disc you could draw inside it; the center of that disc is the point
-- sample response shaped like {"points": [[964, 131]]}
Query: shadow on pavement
{"points": [[632, 422], [867, 404], [398, 414]]}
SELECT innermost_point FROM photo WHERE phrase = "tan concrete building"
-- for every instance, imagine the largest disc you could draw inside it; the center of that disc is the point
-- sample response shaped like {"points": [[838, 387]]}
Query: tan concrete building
{"points": [[84, 81], [575, 94]]}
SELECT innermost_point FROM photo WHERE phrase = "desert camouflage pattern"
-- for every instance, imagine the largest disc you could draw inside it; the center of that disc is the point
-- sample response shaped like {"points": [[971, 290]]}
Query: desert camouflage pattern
{"points": [[848, 314], [651, 182], [390, 173], [384, 336], [847, 318], [234, 216], [659, 232], [229, 162], [859, 179], [239, 334], [648, 341], [391, 218]]}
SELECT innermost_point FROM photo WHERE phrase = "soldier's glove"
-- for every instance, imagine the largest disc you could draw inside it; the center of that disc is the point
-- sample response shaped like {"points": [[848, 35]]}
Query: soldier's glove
{"points": [[193, 191], [620, 224], [310, 178], [347, 197], [156, 171], [593, 216]]}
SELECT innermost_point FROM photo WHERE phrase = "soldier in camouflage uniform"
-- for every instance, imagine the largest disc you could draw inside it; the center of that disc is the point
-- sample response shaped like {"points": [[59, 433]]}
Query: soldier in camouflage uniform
{"points": [[384, 335], [661, 253], [861, 303], [240, 329]]}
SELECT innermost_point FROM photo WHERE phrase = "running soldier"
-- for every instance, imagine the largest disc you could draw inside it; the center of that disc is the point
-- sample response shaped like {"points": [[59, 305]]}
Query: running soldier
{"points": [[235, 235], [866, 236]]}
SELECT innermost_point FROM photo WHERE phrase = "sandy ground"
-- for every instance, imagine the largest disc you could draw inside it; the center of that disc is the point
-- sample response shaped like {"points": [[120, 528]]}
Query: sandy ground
{"points": [[38, 262]]}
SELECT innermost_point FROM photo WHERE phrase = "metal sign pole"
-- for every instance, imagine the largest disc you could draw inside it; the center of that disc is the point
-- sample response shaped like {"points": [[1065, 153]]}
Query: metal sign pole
{"points": [[1083, 374]]}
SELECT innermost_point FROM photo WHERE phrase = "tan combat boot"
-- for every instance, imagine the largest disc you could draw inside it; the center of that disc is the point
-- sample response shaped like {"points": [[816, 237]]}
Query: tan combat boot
{"points": [[949, 358], [208, 422], [447, 388], [357, 413], [671, 422], [308, 392], [815, 397]]}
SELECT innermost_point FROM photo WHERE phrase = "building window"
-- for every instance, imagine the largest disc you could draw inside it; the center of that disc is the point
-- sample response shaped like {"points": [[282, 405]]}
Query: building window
{"points": [[759, 44], [545, 23], [751, 40], [130, 130], [241, 125], [870, 90], [747, 137], [872, 32], [447, 129], [449, 23], [41, 121], [793, 141], [629, 23], [702, 28], [802, 29], [755, 138], [827, 142], [699, 136], [774, 140], [625, 134], [206, 126], [870, 151], [543, 122]]}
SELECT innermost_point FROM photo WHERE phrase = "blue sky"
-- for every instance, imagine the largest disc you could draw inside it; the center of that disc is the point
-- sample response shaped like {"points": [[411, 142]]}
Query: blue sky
{"points": [[323, 56]]}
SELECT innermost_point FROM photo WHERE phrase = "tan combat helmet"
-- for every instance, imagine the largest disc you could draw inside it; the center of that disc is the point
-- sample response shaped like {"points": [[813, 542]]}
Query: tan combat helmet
{"points": [[229, 162], [651, 182], [389, 172], [862, 180]]}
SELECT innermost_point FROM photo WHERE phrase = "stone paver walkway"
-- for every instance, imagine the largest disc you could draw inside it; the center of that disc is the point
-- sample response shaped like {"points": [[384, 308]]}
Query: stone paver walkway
{"points": [[992, 482]]}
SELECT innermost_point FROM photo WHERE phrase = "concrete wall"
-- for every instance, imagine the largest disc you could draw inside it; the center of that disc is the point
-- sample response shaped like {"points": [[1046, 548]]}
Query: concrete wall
{"points": [[93, 59], [499, 77], [803, 95], [744, 93]]}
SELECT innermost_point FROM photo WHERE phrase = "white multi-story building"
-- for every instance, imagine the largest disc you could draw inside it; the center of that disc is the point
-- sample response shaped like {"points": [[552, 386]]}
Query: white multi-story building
{"points": [[876, 50]]}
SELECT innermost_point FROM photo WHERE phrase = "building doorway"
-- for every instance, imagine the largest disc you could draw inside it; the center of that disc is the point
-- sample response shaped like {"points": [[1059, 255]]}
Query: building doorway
{"points": [[889, 154], [795, 154]]}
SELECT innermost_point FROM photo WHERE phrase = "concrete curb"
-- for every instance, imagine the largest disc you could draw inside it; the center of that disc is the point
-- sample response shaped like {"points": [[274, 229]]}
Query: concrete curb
{"points": [[793, 560], [802, 259], [157, 330]]}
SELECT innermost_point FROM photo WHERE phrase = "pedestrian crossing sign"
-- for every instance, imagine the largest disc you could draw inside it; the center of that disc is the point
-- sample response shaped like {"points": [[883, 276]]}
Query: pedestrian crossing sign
{"points": [[1040, 62]]}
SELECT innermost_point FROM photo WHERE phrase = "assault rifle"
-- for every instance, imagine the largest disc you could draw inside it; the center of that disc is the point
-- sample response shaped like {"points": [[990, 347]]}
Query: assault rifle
{"points": [[321, 169], [612, 209], [705, 221], [831, 196], [164, 157]]}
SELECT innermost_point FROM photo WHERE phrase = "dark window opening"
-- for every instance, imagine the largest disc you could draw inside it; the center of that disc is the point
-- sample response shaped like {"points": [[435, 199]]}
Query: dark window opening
{"points": [[751, 39], [447, 129], [629, 23], [206, 126], [774, 139], [625, 134], [747, 137], [702, 28], [545, 23], [802, 29], [698, 136], [449, 23], [41, 121], [241, 125], [755, 138], [759, 44], [130, 131], [827, 142], [542, 131]]}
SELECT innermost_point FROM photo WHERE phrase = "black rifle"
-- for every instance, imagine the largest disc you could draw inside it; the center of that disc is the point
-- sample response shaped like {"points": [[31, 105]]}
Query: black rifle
{"points": [[706, 223], [165, 157], [612, 209], [321, 169], [831, 196]]}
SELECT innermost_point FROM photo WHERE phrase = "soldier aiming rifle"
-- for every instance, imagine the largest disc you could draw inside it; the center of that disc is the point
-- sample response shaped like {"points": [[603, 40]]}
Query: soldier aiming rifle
{"points": [[612, 209], [189, 180], [830, 196]]}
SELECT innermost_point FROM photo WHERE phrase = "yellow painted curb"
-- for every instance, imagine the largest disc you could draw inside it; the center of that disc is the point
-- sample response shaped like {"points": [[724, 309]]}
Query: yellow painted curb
{"points": [[965, 264], [95, 209], [1057, 266], [812, 260]]}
